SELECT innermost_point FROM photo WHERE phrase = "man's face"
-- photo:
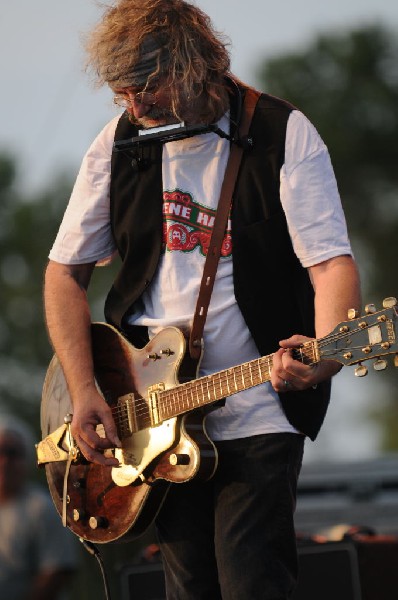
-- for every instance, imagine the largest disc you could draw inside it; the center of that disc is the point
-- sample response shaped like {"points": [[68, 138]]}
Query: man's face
{"points": [[12, 464], [149, 107]]}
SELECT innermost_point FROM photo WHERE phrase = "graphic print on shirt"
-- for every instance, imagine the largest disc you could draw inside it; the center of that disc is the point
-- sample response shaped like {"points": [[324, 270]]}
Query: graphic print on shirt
{"points": [[188, 225]]}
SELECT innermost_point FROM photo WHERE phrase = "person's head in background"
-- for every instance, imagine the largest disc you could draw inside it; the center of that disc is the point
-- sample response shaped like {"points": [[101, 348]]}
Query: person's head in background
{"points": [[16, 452]]}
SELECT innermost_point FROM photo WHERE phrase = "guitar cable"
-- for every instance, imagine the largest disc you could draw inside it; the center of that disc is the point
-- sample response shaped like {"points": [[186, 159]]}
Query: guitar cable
{"points": [[93, 550]]}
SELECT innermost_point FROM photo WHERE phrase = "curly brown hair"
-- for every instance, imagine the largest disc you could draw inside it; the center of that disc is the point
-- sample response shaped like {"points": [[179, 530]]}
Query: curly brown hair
{"points": [[197, 55]]}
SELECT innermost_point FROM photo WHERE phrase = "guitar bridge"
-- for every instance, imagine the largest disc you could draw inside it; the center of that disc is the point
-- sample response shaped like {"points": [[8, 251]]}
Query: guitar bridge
{"points": [[153, 397]]}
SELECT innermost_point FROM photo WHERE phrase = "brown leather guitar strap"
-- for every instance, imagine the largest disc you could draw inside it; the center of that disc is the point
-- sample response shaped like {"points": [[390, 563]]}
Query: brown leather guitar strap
{"points": [[220, 224]]}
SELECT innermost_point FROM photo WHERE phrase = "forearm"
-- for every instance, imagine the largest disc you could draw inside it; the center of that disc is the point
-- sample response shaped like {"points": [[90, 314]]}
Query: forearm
{"points": [[68, 321], [69, 326], [337, 289]]}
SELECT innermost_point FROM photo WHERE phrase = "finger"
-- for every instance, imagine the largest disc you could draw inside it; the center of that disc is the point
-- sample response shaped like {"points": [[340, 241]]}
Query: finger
{"points": [[97, 428], [110, 430], [282, 380], [294, 341], [88, 432], [299, 375], [277, 368], [286, 385], [95, 456], [290, 364]]}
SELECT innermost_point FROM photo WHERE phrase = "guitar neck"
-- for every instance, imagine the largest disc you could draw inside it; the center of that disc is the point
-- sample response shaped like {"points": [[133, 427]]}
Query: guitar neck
{"points": [[211, 388], [371, 336]]}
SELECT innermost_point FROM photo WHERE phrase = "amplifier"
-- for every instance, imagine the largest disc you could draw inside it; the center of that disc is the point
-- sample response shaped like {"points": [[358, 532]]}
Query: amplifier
{"points": [[364, 569]]}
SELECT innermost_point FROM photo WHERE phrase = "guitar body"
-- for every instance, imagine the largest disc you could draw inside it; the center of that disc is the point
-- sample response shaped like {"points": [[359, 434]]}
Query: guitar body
{"points": [[105, 504]]}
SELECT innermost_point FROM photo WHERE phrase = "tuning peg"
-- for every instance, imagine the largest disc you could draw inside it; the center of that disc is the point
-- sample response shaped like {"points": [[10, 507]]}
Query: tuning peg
{"points": [[380, 365], [390, 302], [352, 313], [370, 309], [396, 360], [361, 371]]}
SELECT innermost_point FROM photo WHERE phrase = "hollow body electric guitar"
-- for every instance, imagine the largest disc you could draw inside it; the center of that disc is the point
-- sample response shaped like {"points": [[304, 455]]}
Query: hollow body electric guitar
{"points": [[161, 421]]}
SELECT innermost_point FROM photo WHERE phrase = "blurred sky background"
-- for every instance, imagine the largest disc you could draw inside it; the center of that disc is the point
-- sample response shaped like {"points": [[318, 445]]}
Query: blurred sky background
{"points": [[50, 112]]}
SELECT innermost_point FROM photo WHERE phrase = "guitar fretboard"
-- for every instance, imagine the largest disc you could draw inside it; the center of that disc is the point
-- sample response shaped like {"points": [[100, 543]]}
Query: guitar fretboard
{"points": [[211, 388]]}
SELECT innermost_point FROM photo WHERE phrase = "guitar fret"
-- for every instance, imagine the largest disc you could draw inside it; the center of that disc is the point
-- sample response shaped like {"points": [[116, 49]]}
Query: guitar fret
{"points": [[259, 369], [211, 388], [228, 388], [243, 378], [214, 387], [210, 396], [260, 373], [203, 388], [221, 384], [189, 389], [202, 385]]}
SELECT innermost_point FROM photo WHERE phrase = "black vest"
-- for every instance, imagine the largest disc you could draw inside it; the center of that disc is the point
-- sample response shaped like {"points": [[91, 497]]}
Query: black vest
{"points": [[272, 290]]}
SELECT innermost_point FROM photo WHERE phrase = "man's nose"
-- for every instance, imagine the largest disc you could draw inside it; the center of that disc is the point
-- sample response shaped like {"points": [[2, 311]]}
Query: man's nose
{"points": [[139, 109]]}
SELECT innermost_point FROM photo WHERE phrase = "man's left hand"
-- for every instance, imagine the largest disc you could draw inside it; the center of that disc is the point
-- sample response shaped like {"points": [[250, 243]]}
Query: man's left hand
{"points": [[289, 374]]}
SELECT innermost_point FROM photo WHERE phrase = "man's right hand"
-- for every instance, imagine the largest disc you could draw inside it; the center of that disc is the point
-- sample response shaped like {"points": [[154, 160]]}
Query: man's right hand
{"points": [[88, 413]]}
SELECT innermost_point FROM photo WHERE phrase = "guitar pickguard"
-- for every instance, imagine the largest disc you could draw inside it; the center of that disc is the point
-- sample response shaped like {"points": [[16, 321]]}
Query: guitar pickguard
{"points": [[141, 449]]}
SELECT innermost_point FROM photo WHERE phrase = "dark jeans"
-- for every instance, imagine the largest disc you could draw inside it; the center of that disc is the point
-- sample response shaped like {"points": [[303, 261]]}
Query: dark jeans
{"points": [[233, 536]]}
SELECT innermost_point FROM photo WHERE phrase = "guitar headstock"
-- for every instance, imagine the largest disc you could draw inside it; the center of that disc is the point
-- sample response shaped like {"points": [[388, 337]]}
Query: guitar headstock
{"points": [[361, 338]]}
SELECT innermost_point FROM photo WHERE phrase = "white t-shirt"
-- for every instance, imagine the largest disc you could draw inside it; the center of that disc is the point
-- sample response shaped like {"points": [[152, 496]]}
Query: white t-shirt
{"points": [[192, 174]]}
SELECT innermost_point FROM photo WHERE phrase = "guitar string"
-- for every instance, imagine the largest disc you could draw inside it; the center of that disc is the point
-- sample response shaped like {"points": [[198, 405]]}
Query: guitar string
{"points": [[224, 378], [191, 388]]}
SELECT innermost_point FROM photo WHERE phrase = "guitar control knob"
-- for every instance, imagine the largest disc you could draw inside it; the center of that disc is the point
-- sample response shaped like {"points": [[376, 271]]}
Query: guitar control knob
{"points": [[79, 515], [98, 522], [167, 352], [361, 371], [179, 459]]}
